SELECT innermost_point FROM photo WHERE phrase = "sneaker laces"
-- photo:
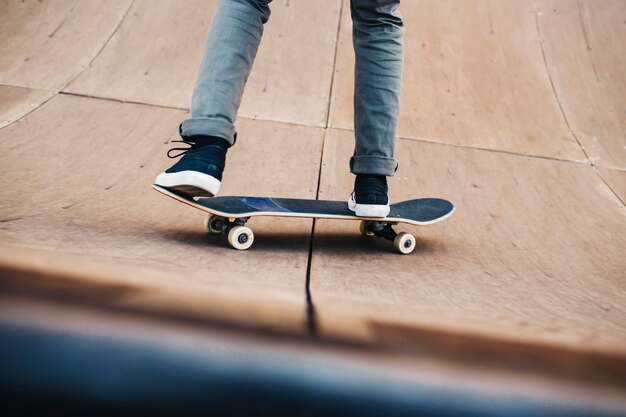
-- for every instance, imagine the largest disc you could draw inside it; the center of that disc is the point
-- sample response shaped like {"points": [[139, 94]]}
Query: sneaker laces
{"points": [[182, 151]]}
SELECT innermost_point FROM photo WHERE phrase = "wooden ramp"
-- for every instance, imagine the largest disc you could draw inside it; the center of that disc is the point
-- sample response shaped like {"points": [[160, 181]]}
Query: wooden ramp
{"points": [[515, 111]]}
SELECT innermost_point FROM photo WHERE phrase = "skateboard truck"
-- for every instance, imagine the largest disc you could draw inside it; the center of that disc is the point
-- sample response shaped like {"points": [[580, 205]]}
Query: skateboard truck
{"points": [[403, 242], [381, 229], [239, 236]]}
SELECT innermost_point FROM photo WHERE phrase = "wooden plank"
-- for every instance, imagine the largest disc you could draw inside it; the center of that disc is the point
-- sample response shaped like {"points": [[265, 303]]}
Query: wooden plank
{"points": [[474, 76], [133, 285], [75, 179], [584, 44], [154, 58], [533, 254], [45, 44], [16, 102]]}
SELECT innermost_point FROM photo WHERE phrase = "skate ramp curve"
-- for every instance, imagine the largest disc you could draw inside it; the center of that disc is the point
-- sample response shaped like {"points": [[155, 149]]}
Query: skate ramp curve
{"points": [[515, 111]]}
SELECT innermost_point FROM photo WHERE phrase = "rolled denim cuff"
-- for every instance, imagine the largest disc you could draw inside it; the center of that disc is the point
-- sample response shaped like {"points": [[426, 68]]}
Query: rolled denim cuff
{"points": [[372, 164], [208, 126]]}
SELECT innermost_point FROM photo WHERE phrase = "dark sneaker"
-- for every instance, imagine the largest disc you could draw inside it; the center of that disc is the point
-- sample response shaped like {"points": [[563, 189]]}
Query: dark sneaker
{"points": [[199, 171], [369, 198]]}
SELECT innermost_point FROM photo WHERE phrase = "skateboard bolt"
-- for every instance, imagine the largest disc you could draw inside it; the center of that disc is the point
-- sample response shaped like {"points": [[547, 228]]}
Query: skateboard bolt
{"points": [[243, 238]]}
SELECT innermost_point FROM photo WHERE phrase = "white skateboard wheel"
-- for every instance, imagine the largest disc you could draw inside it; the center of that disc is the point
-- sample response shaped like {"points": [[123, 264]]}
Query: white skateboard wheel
{"points": [[212, 224], [404, 243], [240, 237], [364, 230]]}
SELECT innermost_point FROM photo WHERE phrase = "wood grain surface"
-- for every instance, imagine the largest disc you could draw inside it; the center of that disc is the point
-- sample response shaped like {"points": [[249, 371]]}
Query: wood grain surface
{"points": [[16, 102], [290, 80], [79, 172], [45, 44], [581, 41], [616, 180], [474, 75], [534, 252]]}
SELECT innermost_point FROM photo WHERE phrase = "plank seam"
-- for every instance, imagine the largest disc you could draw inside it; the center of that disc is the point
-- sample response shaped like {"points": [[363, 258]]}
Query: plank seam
{"points": [[54, 94], [609, 186], [310, 307], [478, 148], [104, 45], [121, 101], [332, 78], [423, 140], [186, 109], [556, 95]]}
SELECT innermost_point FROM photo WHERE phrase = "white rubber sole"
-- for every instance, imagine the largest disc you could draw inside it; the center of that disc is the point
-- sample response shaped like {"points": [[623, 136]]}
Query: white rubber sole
{"points": [[368, 210], [190, 182]]}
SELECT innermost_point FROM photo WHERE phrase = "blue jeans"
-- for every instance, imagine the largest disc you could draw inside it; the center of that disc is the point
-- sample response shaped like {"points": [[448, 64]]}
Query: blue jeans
{"points": [[233, 40]]}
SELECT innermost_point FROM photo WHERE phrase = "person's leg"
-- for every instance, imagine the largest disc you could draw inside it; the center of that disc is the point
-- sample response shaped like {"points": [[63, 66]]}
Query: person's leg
{"points": [[231, 47], [377, 36], [232, 43]]}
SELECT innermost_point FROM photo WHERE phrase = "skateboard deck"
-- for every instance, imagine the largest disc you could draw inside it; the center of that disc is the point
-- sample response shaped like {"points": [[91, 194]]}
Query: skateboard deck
{"points": [[419, 212]]}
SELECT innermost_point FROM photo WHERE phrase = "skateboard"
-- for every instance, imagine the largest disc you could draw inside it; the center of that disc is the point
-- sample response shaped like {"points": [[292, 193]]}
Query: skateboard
{"points": [[229, 214]]}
